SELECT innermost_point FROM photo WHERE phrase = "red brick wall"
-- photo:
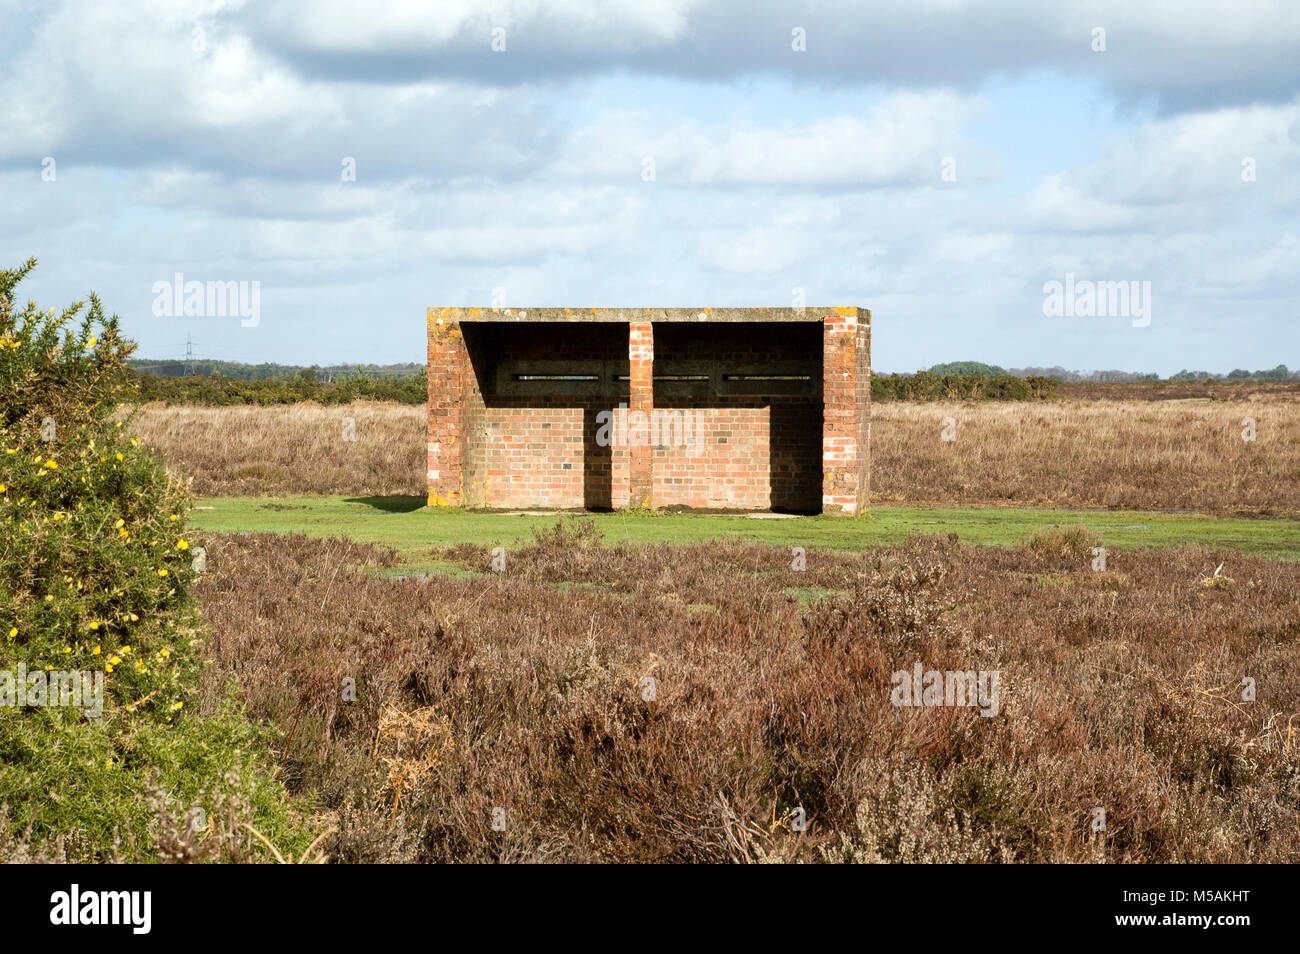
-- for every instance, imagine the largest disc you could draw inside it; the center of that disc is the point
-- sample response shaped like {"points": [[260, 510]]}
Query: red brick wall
{"points": [[532, 456], [728, 467]]}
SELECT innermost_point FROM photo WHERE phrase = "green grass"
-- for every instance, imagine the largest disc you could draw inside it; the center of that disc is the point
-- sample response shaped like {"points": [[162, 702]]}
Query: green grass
{"points": [[405, 524]]}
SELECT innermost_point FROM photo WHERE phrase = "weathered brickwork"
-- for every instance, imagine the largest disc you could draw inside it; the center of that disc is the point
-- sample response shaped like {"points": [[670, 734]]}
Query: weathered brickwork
{"points": [[641, 359], [449, 371], [728, 466], [846, 410], [745, 409]]}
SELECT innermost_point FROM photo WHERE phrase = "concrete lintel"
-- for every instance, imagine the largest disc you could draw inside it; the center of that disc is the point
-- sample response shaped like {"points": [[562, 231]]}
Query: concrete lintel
{"points": [[441, 315]]}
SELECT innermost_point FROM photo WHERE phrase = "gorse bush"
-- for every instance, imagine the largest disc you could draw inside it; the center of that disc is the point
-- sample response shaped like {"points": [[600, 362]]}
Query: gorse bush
{"points": [[94, 557], [95, 567]]}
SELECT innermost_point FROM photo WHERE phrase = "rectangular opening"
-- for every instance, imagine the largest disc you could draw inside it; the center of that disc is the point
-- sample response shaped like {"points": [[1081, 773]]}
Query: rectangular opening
{"points": [[671, 377], [557, 377], [751, 393], [767, 377], [530, 428]]}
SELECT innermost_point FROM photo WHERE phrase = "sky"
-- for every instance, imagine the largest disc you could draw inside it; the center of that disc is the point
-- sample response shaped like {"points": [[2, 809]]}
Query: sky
{"points": [[942, 162]]}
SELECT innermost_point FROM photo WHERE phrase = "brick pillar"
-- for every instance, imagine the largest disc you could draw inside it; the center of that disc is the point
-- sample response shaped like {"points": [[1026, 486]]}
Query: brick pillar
{"points": [[863, 387], [846, 410], [449, 374], [641, 356]]}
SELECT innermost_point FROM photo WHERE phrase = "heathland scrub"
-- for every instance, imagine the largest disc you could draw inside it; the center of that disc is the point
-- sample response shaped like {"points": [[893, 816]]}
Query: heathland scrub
{"points": [[411, 528], [95, 569]]}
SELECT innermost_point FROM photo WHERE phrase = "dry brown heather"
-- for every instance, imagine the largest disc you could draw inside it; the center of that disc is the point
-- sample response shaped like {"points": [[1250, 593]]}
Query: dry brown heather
{"points": [[1130, 455], [1135, 454], [1119, 690], [291, 448]]}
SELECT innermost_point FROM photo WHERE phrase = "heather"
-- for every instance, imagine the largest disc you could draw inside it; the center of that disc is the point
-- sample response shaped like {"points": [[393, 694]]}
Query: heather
{"points": [[606, 702]]}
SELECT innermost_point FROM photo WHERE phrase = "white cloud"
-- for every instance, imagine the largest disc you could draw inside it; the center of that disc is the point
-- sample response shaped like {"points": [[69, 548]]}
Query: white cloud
{"points": [[903, 139], [1199, 156], [1056, 204], [234, 107], [345, 26], [1188, 53], [526, 171]]}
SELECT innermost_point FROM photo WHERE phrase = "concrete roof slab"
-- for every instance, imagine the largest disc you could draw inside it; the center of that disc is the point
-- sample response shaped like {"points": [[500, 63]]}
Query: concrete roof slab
{"points": [[627, 315]]}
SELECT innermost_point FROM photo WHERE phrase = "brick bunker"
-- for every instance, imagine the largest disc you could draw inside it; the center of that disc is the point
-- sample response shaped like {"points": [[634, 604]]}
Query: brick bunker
{"points": [[608, 408]]}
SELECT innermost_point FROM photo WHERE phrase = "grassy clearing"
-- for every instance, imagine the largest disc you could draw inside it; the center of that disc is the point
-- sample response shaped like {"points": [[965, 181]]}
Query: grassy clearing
{"points": [[413, 530]]}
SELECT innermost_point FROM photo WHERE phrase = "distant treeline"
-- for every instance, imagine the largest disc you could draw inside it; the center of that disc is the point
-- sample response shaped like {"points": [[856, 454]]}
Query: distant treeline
{"points": [[928, 386], [957, 381], [207, 367], [1280, 373], [218, 390]]}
